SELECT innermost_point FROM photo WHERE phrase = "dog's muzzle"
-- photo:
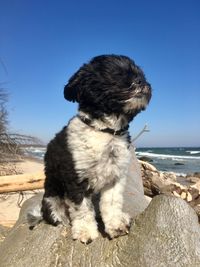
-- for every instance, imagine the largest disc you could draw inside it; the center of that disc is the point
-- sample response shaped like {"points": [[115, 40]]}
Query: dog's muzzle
{"points": [[144, 91]]}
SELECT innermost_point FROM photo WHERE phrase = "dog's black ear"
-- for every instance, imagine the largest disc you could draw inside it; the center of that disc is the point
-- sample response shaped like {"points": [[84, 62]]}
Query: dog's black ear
{"points": [[70, 93], [73, 89]]}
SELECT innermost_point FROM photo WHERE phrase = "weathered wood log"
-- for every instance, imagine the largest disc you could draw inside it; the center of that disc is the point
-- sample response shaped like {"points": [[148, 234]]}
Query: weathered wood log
{"points": [[21, 182], [167, 233]]}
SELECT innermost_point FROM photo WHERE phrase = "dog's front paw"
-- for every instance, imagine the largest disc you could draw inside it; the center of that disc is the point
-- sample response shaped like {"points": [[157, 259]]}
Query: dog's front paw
{"points": [[84, 233], [118, 226]]}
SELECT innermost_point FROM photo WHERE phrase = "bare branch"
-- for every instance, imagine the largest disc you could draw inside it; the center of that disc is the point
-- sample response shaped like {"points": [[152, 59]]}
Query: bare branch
{"points": [[145, 129], [11, 145]]}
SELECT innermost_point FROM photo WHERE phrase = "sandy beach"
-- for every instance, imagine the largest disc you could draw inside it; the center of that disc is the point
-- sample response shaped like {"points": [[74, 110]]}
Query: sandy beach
{"points": [[10, 203], [30, 166]]}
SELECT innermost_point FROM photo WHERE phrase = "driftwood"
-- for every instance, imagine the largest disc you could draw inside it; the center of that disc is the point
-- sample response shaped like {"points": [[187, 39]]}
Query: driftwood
{"points": [[21, 182], [167, 233], [156, 182]]}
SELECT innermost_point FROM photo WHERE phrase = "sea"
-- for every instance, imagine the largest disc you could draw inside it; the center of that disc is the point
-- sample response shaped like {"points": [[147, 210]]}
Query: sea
{"points": [[181, 160]]}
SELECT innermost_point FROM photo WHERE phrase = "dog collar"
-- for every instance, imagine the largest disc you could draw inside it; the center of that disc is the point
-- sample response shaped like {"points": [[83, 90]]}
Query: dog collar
{"points": [[105, 130]]}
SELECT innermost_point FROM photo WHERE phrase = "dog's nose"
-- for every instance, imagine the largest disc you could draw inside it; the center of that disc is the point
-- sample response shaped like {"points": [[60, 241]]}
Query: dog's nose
{"points": [[146, 89]]}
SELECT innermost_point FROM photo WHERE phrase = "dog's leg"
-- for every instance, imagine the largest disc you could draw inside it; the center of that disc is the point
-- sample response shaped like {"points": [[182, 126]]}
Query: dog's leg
{"points": [[54, 210], [84, 226], [111, 203]]}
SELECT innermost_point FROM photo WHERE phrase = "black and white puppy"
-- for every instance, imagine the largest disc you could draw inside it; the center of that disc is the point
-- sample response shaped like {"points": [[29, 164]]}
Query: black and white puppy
{"points": [[92, 153]]}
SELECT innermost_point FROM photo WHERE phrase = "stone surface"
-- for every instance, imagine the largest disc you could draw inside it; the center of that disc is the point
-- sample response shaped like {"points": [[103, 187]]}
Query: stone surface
{"points": [[166, 234]]}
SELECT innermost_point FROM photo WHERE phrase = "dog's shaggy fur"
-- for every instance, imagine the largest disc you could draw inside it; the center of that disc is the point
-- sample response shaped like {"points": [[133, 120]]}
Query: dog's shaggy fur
{"points": [[92, 153]]}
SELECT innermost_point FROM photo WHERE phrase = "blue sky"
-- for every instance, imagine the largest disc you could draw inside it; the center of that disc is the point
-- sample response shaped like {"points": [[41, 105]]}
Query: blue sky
{"points": [[42, 43]]}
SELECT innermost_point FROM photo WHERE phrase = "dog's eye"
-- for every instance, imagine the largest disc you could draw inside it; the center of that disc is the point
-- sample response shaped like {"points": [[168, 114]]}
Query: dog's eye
{"points": [[137, 81]]}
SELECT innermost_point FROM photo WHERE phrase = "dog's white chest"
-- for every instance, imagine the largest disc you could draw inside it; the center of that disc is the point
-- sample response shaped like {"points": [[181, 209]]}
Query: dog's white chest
{"points": [[99, 157], [112, 163]]}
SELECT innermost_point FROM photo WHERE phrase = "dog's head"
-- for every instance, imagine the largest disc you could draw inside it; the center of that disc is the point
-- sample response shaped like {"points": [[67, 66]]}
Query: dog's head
{"points": [[109, 84]]}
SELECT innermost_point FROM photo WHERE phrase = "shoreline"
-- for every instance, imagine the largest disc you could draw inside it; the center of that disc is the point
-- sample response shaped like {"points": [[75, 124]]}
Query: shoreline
{"points": [[165, 159]]}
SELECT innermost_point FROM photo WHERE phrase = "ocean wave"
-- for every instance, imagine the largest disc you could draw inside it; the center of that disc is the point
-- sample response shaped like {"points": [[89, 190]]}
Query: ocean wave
{"points": [[177, 159], [36, 152], [180, 174], [193, 152], [165, 156]]}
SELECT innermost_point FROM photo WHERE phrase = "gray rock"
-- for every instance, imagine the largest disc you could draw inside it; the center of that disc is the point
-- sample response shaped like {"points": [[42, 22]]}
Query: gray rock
{"points": [[166, 234], [147, 159]]}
